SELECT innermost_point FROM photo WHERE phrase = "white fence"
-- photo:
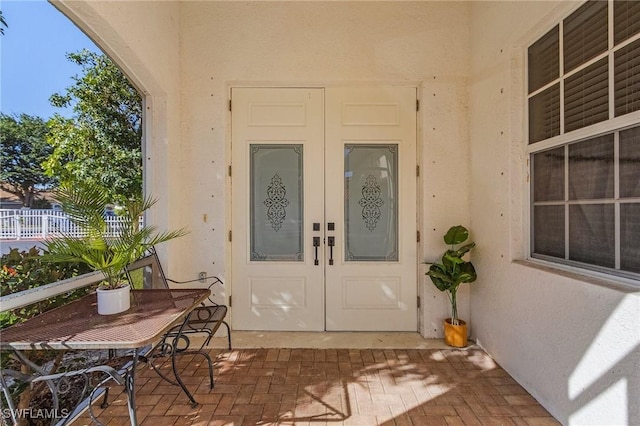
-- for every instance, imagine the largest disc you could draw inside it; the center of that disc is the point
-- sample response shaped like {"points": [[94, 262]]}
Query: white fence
{"points": [[35, 224]]}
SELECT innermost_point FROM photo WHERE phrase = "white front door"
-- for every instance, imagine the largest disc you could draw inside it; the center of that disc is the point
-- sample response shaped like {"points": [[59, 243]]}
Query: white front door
{"points": [[324, 209]]}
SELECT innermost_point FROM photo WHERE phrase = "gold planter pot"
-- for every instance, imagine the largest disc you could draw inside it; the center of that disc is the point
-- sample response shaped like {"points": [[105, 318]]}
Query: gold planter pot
{"points": [[455, 335]]}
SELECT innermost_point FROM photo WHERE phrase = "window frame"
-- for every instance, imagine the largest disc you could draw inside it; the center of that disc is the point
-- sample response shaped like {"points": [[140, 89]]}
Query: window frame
{"points": [[613, 125]]}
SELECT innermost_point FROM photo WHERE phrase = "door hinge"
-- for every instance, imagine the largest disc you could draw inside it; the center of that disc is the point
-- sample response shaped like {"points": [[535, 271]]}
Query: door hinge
{"points": [[417, 171], [417, 104], [229, 170], [230, 302], [418, 301], [229, 104], [418, 236], [229, 236]]}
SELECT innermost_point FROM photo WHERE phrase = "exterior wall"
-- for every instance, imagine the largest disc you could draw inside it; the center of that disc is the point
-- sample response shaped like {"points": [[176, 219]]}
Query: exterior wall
{"points": [[227, 44], [571, 341], [185, 56], [143, 38]]}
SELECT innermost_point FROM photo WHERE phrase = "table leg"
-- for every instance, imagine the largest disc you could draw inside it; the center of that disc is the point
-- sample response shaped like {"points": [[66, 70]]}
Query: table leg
{"points": [[130, 385], [9, 401]]}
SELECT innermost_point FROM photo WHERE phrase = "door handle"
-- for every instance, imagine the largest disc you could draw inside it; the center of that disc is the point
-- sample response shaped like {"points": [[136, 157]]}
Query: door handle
{"points": [[332, 242], [316, 244]]}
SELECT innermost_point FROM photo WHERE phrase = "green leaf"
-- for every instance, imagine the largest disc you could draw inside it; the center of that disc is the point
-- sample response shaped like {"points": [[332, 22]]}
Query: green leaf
{"points": [[462, 250], [456, 235], [440, 277], [468, 273], [452, 259]]}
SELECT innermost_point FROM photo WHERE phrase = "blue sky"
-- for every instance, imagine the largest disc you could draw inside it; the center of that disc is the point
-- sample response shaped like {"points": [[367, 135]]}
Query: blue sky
{"points": [[33, 63]]}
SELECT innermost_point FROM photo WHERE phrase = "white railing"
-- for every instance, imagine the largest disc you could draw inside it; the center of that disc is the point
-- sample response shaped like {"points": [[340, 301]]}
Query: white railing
{"points": [[18, 224], [36, 294]]}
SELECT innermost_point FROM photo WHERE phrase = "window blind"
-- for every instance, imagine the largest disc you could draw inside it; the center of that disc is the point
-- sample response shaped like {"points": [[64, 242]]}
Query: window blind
{"points": [[627, 79], [630, 163], [585, 34], [549, 223], [544, 114], [586, 96], [548, 175], [630, 237], [591, 169], [592, 234], [626, 19], [544, 60]]}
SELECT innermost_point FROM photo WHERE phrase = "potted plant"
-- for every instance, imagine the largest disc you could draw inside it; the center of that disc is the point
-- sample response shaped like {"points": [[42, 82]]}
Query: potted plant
{"points": [[103, 244], [448, 275]]}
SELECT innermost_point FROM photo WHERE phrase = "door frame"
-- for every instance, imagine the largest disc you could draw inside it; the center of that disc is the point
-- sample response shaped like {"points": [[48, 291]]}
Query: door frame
{"points": [[418, 84]]}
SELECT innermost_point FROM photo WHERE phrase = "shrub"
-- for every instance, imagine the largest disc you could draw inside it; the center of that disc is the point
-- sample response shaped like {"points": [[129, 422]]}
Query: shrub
{"points": [[22, 270]]}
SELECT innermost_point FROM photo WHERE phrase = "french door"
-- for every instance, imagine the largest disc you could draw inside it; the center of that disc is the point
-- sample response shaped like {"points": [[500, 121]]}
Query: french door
{"points": [[324, 209]]}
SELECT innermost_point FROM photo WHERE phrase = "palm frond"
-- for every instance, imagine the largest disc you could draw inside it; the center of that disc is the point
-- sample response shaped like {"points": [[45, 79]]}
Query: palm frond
{"points": [[85, 205]]}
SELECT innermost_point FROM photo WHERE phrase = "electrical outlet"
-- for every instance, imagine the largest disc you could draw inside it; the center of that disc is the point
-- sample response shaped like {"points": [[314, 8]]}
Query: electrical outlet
{"points": [[202, 277]]}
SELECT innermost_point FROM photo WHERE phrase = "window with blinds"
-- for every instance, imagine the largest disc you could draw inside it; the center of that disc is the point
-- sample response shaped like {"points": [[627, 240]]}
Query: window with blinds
{"points": [[583, 79]]}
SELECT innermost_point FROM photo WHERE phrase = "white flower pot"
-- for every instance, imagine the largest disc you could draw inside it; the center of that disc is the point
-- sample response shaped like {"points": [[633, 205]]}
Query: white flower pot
{"points": [[114, 301]]}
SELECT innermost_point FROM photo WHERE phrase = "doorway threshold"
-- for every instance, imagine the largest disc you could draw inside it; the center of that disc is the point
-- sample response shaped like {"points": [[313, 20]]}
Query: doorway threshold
{"points": [[328, 340]]}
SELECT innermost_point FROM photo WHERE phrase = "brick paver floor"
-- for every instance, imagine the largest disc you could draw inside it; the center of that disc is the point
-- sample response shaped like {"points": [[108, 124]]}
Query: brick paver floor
{"points": [[333, 387]]}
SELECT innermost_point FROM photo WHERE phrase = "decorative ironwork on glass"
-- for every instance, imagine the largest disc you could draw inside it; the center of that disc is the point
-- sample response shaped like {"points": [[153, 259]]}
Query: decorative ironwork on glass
{"points": [[276, 207], [371, 202], [276, 202]]}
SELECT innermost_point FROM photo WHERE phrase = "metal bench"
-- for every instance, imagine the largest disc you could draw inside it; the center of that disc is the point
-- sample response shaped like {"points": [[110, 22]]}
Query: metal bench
{"points": [[147, 273]]}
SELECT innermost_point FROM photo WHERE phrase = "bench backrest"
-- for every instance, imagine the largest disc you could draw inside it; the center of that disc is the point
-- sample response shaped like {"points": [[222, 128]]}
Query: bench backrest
{"points": [[147, 273]]}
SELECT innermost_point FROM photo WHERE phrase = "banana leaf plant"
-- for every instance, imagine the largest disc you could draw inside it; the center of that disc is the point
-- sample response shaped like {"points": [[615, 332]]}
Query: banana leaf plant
{"points": [[104, 245], [453, 270]]}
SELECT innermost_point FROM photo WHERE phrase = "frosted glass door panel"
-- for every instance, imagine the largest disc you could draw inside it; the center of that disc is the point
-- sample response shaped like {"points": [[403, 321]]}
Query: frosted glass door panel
{"points": [[371, 202], [276, 203]]}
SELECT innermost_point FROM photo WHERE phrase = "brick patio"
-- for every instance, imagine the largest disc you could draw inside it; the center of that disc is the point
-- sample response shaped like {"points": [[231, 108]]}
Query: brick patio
{"points": [[333, 387]]}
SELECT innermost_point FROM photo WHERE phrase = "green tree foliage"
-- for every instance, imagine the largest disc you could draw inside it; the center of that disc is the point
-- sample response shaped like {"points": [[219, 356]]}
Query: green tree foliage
{"points": [[101, 143], [23, 149], [3, 23]]}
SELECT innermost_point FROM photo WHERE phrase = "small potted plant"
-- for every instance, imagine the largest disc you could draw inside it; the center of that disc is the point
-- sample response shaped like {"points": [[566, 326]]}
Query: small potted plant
{"points": [[448, 275], [95, 240]]}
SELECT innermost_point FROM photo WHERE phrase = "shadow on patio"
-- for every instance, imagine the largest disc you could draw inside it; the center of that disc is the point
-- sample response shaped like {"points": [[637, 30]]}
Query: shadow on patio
{"points": [[335, 386]]}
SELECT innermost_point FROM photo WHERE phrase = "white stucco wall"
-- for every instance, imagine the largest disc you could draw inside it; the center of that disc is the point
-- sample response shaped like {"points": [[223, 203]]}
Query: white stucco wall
{"points": [[572, 342], [227, 44]]}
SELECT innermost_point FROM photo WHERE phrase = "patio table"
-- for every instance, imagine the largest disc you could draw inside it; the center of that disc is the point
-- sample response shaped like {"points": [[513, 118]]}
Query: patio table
{"points": [[77, 325]]}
